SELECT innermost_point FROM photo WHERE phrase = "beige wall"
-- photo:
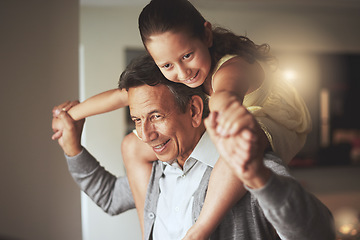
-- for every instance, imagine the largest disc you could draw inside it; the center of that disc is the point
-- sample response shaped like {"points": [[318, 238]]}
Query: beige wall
{"points": [[105, 34], [312, 27], [39, 68]]}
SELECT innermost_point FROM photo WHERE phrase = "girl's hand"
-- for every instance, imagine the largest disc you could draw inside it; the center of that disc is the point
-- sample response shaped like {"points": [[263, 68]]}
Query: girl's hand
{"points": [[57, 125], [231, 111], [238, 149], [234, 117], [231, 118], [65, 106], [243, 151]]}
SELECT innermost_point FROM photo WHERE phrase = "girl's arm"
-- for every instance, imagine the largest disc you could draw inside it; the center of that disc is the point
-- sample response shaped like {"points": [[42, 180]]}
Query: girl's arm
{"points": [[232, 81], [100, 103]]}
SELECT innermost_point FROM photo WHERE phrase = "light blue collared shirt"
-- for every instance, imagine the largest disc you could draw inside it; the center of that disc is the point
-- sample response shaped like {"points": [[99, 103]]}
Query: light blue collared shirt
{"points": [[177, 186]]}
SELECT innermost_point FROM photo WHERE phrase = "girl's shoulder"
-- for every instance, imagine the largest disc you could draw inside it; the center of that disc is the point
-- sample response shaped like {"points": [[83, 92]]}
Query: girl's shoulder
{"points": [[223, 60], [227, 60], [234, 67]]}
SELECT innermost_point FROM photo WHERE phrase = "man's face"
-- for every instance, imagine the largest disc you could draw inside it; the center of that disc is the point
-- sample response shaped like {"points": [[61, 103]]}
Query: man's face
{"points": [[160, 123]]}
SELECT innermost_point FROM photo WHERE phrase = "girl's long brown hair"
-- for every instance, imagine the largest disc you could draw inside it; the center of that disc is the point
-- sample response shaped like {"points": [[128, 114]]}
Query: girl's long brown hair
{"points": [[161, 16]]}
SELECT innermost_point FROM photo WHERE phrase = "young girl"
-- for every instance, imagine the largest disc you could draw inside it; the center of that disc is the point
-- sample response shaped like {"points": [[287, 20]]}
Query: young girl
{"points": [[233, 71]]}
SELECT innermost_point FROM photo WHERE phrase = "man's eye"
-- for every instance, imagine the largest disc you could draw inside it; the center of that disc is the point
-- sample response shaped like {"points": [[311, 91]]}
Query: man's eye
{"points": [[136, 120], [155, 117]]}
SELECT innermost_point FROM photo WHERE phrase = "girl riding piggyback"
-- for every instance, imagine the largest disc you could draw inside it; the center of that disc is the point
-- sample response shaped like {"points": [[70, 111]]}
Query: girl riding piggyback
{"points": [[236, 74]]}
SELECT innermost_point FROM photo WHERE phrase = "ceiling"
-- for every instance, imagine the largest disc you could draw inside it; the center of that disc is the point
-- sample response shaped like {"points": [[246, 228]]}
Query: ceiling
{"points": [[231, 3], [113, 2]]}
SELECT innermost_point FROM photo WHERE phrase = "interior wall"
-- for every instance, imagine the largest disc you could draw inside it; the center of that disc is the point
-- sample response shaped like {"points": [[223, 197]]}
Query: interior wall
{"points": [[293, 27], [297, 33], [105, 35], [39, 69]]}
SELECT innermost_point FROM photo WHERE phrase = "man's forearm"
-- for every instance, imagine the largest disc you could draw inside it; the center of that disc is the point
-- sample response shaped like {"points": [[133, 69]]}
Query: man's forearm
{"points": [[110, 193], [259, 179], [294, 213]]}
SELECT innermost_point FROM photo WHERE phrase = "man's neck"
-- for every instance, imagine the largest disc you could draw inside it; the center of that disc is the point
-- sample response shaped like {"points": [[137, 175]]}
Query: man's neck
{"points": [[199, 133]]}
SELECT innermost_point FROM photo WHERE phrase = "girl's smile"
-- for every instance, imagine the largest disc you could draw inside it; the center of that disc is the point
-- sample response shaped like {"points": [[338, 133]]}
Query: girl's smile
{"points": [[191, 80]]}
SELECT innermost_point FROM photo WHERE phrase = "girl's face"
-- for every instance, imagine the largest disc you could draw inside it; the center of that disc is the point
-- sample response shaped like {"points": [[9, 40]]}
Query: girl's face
{"points": [[181, 58]]}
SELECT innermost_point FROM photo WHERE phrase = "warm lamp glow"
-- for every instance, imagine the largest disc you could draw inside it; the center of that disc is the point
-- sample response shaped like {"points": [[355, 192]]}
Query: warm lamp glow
{"points": [[346, 229], [347, 223], [289, 75]]}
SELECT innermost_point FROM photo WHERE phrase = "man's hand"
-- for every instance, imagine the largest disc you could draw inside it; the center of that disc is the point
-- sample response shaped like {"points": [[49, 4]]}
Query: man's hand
{"points": [[56, 123], [70, 140], [243, 151]]}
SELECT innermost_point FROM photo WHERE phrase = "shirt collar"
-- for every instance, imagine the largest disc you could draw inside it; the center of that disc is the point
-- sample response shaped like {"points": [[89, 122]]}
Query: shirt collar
{"points": [[204, 151]]}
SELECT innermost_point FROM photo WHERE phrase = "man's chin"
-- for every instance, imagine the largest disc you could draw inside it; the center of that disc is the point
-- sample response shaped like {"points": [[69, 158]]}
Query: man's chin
{"points": [[164, 158]]}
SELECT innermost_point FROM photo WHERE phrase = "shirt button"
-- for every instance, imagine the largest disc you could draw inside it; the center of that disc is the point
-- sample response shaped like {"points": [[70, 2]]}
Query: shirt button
{"points": [[183, 176], [177, 209], [151, 215]]}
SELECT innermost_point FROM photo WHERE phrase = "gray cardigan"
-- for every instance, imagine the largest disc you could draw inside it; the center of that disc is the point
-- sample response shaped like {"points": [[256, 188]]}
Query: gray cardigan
{"points": [[280, 210]]}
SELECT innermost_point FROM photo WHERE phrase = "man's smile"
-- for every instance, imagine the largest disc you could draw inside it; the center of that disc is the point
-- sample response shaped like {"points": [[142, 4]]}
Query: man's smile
{"points": [[158, 148]]}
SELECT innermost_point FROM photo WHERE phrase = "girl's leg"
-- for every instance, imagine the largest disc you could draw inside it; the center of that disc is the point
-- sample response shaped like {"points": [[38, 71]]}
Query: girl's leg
{"points": [[224, 190], [138, 158]]}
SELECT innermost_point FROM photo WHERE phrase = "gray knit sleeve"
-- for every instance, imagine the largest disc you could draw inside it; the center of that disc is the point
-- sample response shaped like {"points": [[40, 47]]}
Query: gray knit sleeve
{"points": [[293, 212], [110, 193]]}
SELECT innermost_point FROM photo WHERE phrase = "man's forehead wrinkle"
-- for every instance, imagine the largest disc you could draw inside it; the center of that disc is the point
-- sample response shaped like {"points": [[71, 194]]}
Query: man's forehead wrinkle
{"points": [[142, 108], [148, 100], [148, 106]]}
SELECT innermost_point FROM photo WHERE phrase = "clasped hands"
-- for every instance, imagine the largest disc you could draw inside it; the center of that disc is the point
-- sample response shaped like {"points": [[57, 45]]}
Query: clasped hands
{"points": [[66, 130], [244, 148]]}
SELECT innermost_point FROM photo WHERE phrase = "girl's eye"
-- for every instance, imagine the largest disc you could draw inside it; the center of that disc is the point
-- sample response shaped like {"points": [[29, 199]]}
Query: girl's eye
{"points": [[167, 66], [186, 56]]}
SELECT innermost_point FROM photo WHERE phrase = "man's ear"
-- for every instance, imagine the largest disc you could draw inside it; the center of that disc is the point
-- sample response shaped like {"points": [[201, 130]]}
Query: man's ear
{"points": [[196, 109], [208, 34]]}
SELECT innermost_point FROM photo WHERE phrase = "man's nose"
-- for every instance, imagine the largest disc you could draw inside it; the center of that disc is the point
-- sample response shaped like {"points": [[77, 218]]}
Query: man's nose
{"points": [[148, 132]]}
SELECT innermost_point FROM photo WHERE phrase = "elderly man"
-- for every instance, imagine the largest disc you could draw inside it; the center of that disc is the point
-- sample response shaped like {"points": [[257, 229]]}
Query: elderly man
{"points": [[169, 117]]}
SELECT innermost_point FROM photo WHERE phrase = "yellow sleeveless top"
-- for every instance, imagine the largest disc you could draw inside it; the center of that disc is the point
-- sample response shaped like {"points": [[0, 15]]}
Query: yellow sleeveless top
{"points": [[280, 111]]}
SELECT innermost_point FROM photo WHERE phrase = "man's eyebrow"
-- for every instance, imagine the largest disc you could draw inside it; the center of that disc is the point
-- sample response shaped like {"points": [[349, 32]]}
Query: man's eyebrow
{"points": [[153, 111], [149, 113]]}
